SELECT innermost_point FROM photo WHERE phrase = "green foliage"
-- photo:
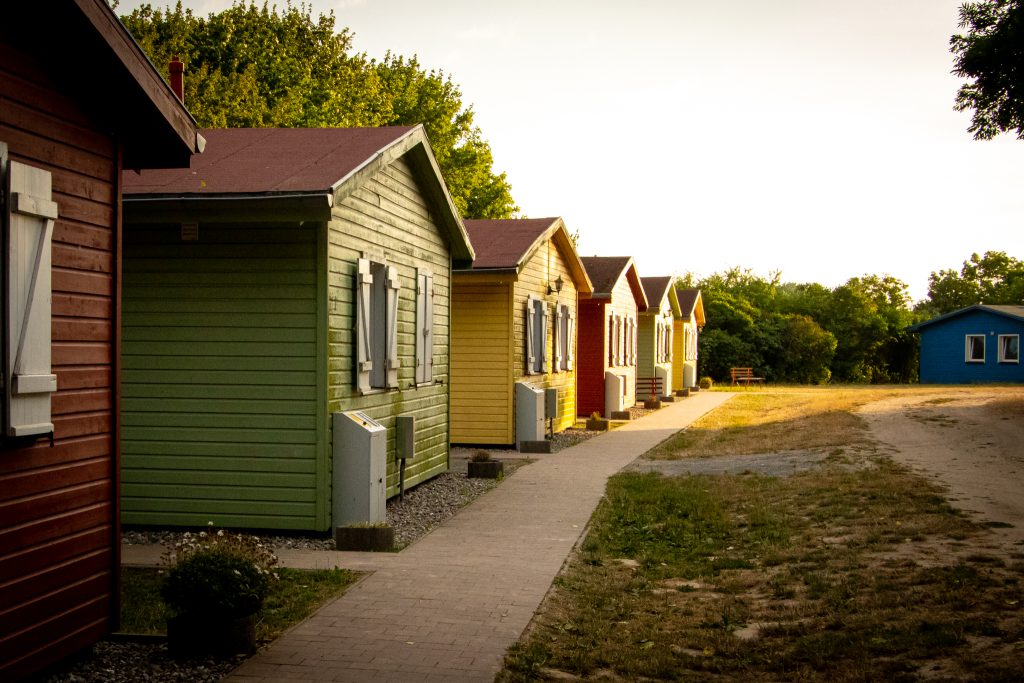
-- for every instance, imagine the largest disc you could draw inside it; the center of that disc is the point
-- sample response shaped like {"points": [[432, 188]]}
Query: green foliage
{"points": [[252, 66], [217, 573], [989, 55], [215, 582], [706, 382], [994, 278]]}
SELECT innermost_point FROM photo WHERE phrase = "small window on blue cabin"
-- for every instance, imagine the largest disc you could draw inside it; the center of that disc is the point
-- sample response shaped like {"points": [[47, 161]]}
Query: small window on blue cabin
{"points": [[1009, 348], [975, 351]]}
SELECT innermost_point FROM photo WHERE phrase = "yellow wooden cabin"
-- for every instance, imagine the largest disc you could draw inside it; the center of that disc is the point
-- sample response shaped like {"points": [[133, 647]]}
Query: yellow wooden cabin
{"points": [[513, 321], [687, 327]]}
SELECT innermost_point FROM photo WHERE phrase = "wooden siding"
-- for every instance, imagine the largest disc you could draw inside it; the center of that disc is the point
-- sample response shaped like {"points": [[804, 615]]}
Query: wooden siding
{"points": [[592, 357], [58, 526], [545, 266], [221, 418], [482, 397], [388, 217]]}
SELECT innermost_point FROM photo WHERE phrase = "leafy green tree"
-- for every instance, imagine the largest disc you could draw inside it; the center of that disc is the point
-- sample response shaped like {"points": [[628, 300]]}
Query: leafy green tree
{"points": [[994, 278], [990, 54], [806, 351], [252, 66]]}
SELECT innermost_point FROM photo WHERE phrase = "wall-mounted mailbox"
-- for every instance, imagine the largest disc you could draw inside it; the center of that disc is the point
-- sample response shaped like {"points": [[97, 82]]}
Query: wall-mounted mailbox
{"points": [[405, 437], [551, 403], [360, 469]]}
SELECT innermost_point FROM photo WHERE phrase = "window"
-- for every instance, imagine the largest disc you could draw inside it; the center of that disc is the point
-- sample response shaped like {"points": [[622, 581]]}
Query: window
{"points": [[376, 325], [536, 336], [30, 214], [1009, 348], [611, 341], [565, 323], [424, 327], [975, 351], [631, 341]]}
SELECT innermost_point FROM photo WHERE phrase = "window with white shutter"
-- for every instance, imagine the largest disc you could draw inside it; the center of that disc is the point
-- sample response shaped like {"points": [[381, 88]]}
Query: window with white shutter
{"points": [[424, 327], [30, 213], [536, 336], [376, 325], [557, 336], [569, 354]]}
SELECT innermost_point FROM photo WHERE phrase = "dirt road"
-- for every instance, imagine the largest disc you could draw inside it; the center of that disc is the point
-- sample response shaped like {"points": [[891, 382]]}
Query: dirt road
{"points": [[968, 439]]}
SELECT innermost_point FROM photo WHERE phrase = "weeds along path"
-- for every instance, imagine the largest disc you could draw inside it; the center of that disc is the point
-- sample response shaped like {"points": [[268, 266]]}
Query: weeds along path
{"points": [[968, 440]]}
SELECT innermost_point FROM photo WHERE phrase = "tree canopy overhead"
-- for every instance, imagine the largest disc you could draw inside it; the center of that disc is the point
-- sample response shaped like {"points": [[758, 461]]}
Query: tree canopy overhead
{"points": [[993, 278], [254, 67], [991, 55]]}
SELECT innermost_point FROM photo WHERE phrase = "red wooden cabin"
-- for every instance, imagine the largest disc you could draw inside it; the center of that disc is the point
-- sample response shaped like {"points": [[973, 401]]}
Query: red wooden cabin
{"points": [[608, 336], [79, 102]]}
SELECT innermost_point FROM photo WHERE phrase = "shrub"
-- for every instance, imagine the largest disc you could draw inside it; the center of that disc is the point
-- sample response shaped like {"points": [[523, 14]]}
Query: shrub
{"points": [[706, 382], [481, 456], [219, 574]]}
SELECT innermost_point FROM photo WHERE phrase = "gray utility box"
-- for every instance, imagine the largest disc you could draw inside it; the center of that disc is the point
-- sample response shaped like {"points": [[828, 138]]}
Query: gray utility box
{"points": [[664, 373], [405, 437], [551, 403], [529, 413], [360, 469], [614, 393]]}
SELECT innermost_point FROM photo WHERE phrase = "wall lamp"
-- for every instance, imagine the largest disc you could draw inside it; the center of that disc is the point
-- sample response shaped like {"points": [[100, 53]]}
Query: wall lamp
{"points": [[556, 286]]}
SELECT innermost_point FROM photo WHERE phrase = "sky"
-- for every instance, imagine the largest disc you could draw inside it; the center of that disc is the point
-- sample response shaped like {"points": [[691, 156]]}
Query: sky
{"points": [[813, 138]]}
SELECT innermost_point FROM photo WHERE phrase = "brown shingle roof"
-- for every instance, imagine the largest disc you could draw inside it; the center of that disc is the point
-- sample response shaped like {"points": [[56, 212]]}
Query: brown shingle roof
{"points": [[605, 271], [504, 243], [655, 288], [687, 299], [251, 161]]}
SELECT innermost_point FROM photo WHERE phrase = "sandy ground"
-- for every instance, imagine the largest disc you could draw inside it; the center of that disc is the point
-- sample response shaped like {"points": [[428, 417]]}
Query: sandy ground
{"points": [[969, 440]]}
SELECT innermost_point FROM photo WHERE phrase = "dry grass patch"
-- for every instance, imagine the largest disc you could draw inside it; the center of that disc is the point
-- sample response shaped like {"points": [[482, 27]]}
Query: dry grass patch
{"points": [[826, 575]]}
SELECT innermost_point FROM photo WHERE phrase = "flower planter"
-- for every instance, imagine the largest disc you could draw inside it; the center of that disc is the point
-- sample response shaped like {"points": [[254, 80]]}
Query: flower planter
{"points": [[682, 393], [622, 415], [197, 635], [597, 425], [652, 404], [364, 538], [485, 469]]}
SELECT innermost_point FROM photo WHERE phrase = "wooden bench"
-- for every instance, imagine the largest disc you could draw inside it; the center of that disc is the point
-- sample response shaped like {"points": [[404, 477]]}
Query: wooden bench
{"points": [[744, 376], [648, 387]]}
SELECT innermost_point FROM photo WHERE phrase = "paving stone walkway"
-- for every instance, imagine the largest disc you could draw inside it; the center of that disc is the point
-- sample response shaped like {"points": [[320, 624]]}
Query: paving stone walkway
{"points": [[447, 607]]}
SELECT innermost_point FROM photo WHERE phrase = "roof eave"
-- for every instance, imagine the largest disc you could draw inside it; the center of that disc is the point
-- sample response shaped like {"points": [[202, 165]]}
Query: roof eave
{"points": [[228, 208]]}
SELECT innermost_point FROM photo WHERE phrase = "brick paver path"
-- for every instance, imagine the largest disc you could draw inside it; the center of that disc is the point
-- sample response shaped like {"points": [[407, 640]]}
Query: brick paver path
{"points": [[446, 608]]}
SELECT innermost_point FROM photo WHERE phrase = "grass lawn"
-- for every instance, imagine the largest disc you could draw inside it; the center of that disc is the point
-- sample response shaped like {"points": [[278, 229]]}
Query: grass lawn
{"points": [[817, 576], [296, 595]]}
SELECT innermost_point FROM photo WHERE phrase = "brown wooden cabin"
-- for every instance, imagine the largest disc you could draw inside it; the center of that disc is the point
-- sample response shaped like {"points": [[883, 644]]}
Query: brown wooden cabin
{"points": [[79, 101]]}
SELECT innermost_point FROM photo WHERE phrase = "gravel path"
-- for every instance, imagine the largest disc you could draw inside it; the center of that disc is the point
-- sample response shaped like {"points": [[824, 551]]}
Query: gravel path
{"points": [[117, 660]]}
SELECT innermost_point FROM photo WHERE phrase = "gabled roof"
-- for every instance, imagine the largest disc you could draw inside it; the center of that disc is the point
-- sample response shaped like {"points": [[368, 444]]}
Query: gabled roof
{"points": [[505, 245], [691, 303], [657, 288], [100, 64], [605, 273], [1013, 312], [292, 166]]}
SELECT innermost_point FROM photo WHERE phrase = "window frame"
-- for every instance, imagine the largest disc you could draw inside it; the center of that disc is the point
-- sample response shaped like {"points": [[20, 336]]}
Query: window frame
{"points": [[376, 360], [967, 349], [1002, 355], [424, 374]]}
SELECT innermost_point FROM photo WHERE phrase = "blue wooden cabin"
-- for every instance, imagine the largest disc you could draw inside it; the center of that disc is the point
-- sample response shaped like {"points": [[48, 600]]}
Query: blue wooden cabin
{"points": [[977, 344]]}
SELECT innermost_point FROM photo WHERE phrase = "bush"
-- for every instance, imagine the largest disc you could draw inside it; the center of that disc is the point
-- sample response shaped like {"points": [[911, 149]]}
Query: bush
{"points": [[217, 574], [706, 383]]}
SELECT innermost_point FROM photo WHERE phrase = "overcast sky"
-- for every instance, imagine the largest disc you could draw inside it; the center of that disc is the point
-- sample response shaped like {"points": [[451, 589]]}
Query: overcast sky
{"points": [[812, 137]]}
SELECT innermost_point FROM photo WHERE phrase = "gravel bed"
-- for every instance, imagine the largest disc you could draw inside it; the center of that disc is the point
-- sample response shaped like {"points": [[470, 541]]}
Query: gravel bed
{"points": [[117, 660]]}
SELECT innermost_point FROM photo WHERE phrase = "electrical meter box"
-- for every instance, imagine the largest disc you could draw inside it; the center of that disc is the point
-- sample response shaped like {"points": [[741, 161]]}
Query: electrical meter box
{"points": [[360, 469], [405, 437], [529, 413], [551, 403]]}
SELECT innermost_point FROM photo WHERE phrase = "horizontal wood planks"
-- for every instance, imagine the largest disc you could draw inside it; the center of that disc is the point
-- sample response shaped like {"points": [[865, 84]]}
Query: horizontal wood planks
{"points": [[389, 218], [482, 411], [220, 379], [57, 508]]}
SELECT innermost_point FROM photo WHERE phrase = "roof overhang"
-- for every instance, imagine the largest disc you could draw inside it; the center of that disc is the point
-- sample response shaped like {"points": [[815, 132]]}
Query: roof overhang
{"points": [[994, 310], [232, 208], [637, 287], [105, 68]]}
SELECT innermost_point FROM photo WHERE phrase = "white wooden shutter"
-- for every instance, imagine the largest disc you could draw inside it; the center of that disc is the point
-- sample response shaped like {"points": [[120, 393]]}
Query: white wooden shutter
{"points": [[424, 327], [556, 339], [31, 213], [364, 289], [570, 340], [670, 341], [531, 352], [542, 339], [393, 362]]}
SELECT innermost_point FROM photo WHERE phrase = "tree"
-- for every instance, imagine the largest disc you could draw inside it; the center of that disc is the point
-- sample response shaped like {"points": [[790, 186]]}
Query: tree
{"points": [[251, 66], [991, 54], [994, 278]]}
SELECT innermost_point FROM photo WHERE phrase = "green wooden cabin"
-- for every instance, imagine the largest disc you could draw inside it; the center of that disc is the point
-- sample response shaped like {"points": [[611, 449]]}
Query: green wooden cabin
{"points": [[288, 275]]}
